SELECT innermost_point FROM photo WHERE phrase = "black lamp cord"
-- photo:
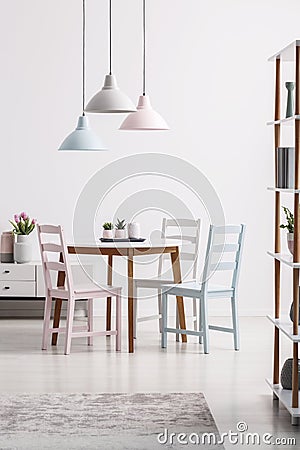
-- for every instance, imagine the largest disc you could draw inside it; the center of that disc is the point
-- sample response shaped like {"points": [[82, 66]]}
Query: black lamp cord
{"points": [[83, 57], [110, 58], [144, 47]]}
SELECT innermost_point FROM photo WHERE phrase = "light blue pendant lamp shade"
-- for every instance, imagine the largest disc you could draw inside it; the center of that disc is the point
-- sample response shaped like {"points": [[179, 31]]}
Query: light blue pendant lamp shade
{"points": [[82, 138], [110, 100]]}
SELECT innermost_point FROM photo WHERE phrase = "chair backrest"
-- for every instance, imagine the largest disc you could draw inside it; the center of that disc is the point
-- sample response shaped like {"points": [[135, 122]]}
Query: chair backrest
{"points": [[188, 231], [223, 253], [54, 256]]}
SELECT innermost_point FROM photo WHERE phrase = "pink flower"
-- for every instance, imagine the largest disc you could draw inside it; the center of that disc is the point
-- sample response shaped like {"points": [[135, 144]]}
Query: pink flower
{"points": [[33, 221], [23, 215], [16, 218]]}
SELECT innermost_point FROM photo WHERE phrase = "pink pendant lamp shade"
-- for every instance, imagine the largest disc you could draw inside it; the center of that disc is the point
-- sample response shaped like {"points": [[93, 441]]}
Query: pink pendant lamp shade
{"points": [[145, 118]]}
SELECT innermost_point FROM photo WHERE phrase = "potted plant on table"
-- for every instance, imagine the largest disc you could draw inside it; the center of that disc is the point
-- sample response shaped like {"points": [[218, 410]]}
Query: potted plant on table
{"points": [[120, 232], [108, 230], [290, 228], [23, 226]]}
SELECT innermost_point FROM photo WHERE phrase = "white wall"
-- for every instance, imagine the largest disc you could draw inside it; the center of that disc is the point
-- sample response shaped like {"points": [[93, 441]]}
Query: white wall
{"points": [[208, 75]]}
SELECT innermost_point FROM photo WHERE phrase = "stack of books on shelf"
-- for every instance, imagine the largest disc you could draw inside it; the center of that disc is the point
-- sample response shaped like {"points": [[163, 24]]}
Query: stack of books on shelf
{"points": [[285, 163]]}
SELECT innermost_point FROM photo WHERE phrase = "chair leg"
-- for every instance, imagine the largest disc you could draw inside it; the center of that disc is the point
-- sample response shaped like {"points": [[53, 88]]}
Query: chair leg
{"points": [[177, 323], [69, 326], [203, 305], [46, 325], [118, 322], [235, 324], [164, 320], [159, 294], [200, 320], [195, 314], [90, 319]]}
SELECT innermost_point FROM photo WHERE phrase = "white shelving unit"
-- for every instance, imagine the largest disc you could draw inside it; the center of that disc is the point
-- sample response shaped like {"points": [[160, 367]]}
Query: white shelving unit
{"points": [[285, 259], [290, 399], [285, 397], [286, 120], [284, 190], [285, 325]]}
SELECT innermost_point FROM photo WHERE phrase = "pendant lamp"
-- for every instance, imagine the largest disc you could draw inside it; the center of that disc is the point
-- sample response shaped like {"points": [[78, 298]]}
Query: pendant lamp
{"points": [[82, 138], [145, 118], [110, 99]]}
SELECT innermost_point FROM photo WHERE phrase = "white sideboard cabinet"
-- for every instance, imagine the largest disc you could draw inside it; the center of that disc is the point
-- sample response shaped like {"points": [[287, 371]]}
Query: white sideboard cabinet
{"points": [[24, 284]]}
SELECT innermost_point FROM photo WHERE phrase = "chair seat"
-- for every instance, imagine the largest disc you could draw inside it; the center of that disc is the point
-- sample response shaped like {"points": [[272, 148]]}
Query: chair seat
{"points": [[151, 282], [87, 290], [193, 289]]}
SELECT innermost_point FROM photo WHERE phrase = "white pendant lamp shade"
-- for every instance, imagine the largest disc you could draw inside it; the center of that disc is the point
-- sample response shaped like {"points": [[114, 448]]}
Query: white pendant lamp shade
{"points": [[145, 118], [82, 138], [110, 99]]}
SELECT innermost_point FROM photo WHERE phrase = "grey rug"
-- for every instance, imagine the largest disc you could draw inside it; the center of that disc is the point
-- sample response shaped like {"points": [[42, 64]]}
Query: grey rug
{"points": [[104, 421]]}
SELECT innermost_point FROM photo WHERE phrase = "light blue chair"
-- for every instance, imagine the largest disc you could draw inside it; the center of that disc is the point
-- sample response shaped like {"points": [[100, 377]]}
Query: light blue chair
{"points": [[218, 250]]}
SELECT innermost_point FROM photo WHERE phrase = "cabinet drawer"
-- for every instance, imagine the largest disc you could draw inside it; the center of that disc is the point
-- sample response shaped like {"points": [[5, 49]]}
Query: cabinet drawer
{"points": [[17, 288], [17, 272]]}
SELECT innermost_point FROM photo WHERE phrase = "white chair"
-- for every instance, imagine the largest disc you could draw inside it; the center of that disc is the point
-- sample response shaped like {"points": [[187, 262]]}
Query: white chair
{"points": [[58, 263], [189, 233], [218, 249]]}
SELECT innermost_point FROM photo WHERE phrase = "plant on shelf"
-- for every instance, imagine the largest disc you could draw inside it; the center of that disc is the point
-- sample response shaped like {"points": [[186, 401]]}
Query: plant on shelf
{"points": [[22, 227], [120, 232], [290, 228], [108, 230]]}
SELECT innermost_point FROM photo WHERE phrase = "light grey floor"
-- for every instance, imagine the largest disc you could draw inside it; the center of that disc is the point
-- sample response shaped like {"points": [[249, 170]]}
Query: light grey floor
{"points": [[233, 382]]}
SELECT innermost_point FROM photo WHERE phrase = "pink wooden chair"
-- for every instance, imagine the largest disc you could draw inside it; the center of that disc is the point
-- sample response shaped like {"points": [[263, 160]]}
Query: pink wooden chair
{"points": [[70, 292]]}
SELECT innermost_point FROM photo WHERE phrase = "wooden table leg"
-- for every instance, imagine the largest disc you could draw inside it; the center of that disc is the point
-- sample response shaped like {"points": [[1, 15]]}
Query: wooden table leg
{"points": [[177, 279], [58, 302], [108, 302], [130, 301]]}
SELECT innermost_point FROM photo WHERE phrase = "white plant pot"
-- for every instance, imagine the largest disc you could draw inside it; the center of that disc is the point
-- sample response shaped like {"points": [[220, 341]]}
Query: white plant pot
{"points": [[22, 249], [290, 242], [120, 234], [134, 230], [107, 234]]}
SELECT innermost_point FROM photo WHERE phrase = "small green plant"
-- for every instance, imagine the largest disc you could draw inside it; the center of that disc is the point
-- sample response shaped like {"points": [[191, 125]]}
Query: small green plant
{"points": [[289, 219], [120, 225], [108, 226]]}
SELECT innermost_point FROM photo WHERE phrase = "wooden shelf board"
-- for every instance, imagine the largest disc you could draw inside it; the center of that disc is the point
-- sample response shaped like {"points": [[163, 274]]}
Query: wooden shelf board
{"points": [[286, 326], [286, 190], [285, 259], [286, 120], [285, 397]]}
